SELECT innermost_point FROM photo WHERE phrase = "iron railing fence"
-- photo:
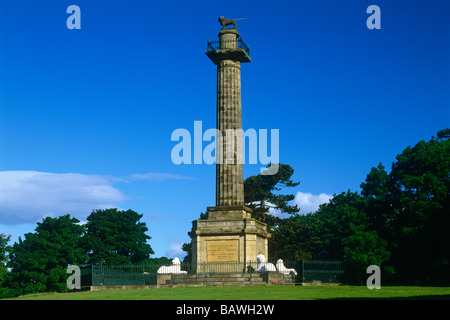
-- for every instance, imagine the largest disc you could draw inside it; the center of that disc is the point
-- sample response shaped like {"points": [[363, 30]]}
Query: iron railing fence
{"points": [[121, 274], [325, 271], [229, 44]]}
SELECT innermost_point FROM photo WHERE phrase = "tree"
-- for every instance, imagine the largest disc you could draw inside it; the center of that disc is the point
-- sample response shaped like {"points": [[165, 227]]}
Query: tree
{"points": [[409, 209], [336, 221], [261, 195], [420, 191], [114, 237], [364, 248], [4, 248], [187, 247], [442, 135], [161, 261], [346, 232], [294, 238], [39, 262]]}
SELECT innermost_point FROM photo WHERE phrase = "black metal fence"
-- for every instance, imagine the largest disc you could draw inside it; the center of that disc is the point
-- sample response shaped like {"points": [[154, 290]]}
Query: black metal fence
{"points": [[119, 275], [216, 45], [324, 271]]}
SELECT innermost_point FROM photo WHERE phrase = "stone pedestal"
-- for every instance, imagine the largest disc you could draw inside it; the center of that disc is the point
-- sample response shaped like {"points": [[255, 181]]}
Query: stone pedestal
{"points": [[273, 278], [229, 235]]}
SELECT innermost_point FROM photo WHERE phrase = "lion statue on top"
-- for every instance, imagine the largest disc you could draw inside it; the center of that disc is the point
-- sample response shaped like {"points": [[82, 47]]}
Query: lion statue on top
{"points": [[227, 22]]}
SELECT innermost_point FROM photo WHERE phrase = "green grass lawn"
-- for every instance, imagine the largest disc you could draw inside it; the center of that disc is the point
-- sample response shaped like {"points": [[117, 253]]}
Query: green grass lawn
{"points": [[252, 293]]}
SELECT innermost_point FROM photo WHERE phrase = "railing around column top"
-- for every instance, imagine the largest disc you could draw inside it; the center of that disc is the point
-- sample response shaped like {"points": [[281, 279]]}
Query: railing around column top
{"points": [[215, 45]]}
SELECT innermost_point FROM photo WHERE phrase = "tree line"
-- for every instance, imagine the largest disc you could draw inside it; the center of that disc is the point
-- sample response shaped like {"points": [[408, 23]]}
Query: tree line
{"points": [[399, 221], [38, 263]]}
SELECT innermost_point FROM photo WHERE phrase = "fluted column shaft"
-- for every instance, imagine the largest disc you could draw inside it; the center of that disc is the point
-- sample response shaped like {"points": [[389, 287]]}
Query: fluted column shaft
{"points": [[229, 169]]}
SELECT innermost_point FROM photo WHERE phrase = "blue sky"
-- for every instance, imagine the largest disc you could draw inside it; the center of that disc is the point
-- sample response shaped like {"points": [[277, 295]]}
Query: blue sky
{"points": [[86, 115]]}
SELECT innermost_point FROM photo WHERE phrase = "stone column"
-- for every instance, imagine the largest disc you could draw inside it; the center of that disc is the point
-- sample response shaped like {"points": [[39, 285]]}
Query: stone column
{"points": [[229, 169], [229, 173], [228, 56], [229, 234]]}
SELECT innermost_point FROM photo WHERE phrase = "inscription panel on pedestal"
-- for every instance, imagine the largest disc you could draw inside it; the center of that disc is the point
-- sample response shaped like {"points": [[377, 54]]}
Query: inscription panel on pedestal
{"points": [[222, 250]]}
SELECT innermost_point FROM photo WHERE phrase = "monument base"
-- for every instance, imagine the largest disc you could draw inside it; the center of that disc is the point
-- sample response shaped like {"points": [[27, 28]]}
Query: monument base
{"points": [[228, 237]]}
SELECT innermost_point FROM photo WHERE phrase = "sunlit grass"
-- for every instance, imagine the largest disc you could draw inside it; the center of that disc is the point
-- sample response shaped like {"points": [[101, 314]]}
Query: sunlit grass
{"points": [[252, 293]]}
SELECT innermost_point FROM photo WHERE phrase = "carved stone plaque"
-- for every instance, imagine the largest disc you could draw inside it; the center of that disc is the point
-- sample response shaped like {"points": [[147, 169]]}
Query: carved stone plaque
{"points": [[222, 250]]}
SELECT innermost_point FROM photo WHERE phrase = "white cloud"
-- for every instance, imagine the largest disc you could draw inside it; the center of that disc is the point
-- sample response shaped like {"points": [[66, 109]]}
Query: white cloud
{"points": [[309, 202], [159, 176], [306, 201], [174, 250], [28, 196]]}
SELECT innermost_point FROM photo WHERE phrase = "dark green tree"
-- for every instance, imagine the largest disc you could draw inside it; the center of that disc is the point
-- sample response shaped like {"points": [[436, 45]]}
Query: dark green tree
{"points": [[377, 190], [442, 135], [346, 232], [295, 238], [409, 209], [187, 247], [4, 248], [39, 262], [421, 220], [115, 237], [336, 221], [161, 261], [262, 193]]}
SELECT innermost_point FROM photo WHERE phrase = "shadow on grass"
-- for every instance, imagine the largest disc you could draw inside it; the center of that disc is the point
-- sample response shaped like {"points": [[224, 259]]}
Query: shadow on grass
{"points": [[423, 297]]}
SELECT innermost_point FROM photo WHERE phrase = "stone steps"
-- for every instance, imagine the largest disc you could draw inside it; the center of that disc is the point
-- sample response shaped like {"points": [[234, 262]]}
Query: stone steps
{"points": [[234, 279]]}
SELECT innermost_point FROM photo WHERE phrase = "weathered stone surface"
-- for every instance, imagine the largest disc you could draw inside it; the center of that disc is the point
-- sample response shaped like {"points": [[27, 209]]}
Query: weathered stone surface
{"points": [[162, 278], [229, 174], [249, 238], [235, 279], [228, 212], [272, 277], [222, 250]]}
